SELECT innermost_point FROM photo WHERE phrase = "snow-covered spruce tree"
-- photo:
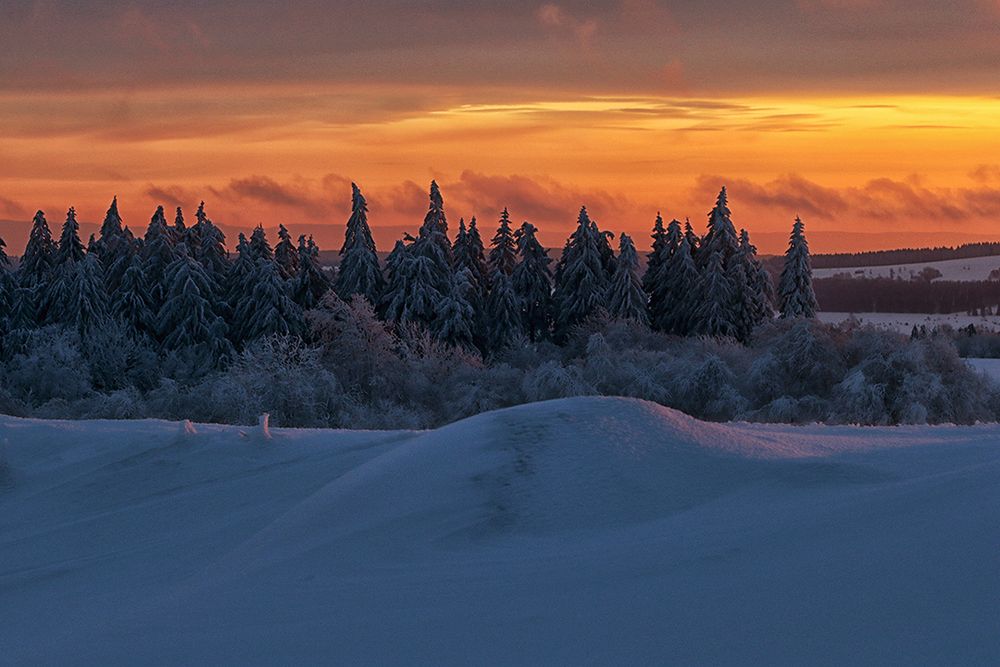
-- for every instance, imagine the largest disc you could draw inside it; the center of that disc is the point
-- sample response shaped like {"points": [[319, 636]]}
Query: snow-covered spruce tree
{"points": [[504, 309], [111, 230], [604, 249], [286, 255], [427, 271], [179, 232], [39, 254], [715, 313], [87, 307], [677, 314], [157, 255], [115, 247], [693, 240], [268, 310], [532, 282], [391, 305], [656, 280], [359, 271], [130, 302], [238, 287], [503, 249], [7, 288], [761, 289], [311, 283], [213, 254], [581, 279], [721, 234], [626, 298], [70, 249], [795, 291], [469, 254], [195, 235], [657, 257], [189, 321], [457, 322], [260, 248], [23, 310]]}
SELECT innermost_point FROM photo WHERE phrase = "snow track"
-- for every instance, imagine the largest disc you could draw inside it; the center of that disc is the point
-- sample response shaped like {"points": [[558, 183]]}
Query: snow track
{"points": [[586, 530]]}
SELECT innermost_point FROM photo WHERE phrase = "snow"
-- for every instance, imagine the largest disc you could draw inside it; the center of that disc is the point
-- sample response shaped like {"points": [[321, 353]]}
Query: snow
{"points": [[904, 322], [584, 530], [988, 367], [973, 268]]}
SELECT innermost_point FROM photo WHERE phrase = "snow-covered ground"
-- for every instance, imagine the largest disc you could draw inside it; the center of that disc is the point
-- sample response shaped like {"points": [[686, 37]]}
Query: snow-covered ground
{"points": [[904, 322], [576, 531], [989, 367], [974, 268]]}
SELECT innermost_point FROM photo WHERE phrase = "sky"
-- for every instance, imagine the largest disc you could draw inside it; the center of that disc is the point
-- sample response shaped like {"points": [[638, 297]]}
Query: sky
{"points": [[877, 121]]}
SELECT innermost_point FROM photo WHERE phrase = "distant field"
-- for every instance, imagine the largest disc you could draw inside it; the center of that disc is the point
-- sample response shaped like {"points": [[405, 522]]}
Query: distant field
{"points": [[904, 322], [974, 268]]}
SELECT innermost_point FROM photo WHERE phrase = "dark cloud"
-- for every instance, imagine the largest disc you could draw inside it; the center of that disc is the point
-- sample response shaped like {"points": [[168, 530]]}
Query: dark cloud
{"points": [[11, 209], [902, 202]]}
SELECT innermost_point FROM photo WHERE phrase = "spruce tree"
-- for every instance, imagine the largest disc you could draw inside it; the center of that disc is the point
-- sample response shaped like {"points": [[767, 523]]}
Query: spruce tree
{"points": [[285, 254], [130, 302], [795, 292], [581, 280], [39, 254], [195, 236], [7, 288], [677, 314], [70, 249], [428, 269], [458, 318], [213, 254], [260, 248], [657, 257], [111, 228], [503, 249], [239, 282], [505, 325], [692, 238], [715, 312], [188, 320], [268, 309], [656, 281], [761, 290], [87, 307], [626, 298], [359, 271], [179, 232], [157, 255], [469, 255], [311, 283], [532, 283], [391, 306]]}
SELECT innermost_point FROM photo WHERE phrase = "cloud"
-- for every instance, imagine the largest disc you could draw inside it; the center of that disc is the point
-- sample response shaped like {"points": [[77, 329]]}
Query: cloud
{"points": [[889, 200], [986, 173], [11, 209], [555, 17]]}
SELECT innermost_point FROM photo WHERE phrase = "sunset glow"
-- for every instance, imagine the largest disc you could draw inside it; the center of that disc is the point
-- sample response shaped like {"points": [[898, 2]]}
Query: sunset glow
{"points": [[176, 109]]}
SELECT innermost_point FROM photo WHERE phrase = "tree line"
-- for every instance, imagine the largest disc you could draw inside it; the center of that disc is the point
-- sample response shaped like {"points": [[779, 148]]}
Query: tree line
{"points": [[179, 287]]}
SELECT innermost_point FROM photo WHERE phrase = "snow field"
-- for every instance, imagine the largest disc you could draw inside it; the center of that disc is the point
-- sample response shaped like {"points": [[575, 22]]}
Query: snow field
{"points": [[584, 530]]}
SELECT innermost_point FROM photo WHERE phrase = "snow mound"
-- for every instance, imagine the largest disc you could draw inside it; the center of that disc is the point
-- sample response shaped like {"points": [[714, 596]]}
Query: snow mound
{"points": [[583, 530]]}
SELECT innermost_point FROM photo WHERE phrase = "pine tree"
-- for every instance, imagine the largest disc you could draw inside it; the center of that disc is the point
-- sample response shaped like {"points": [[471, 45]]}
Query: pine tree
{"points": [[111, 228], [130, 303], [239, 281], [391, 306], [39, 254], [157, 255], [582, 280], [268, 310], [532, 282], [196, 233], [23, 310], [503, 249], [504, 309], [692, 238], [626, 298], [285, 254], [795, 291], [70, 249], [469, 255], [7, 287], [259, 246], [311, 283], [458, 319], [721, 235], [188, 320], [359, 271]]}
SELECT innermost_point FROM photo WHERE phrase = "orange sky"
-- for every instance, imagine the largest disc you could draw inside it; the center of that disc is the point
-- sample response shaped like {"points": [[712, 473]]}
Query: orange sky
{"points": [[862, 120]]}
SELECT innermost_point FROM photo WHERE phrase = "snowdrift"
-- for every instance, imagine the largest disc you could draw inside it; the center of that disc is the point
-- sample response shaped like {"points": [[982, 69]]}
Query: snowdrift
{"points": [[584, 530]]}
